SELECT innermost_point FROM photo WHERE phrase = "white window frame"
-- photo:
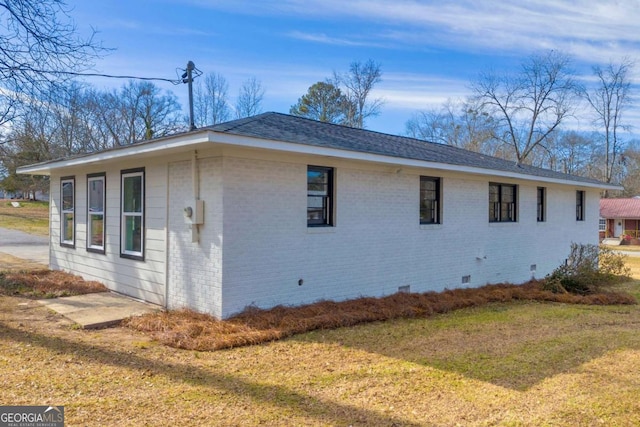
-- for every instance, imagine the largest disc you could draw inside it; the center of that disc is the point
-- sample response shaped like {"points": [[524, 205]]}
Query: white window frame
{"points": [[602, 224], [124, 253], [64, 212], [100, 177]]}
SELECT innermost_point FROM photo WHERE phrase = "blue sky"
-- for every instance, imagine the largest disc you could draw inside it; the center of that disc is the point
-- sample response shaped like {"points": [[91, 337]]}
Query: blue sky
{"points": [[429, 51]]}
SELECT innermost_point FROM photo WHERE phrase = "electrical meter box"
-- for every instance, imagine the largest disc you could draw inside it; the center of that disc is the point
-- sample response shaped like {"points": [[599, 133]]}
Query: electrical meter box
{"points": [[198, 212], [194, 215]]}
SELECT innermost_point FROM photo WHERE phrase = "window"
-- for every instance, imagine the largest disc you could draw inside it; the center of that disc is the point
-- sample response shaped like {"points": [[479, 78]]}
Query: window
{"points": [[542, 204], [319, 196], [502, 202], [96, 196], [429, 200], [67, 212], [602, 224], [132, 218], [579, 205]]}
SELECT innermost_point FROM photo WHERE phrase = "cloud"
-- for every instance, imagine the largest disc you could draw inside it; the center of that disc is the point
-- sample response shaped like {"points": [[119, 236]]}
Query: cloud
{"points": [[410, 92], [587, 29], [140, 27], [325, 39]]}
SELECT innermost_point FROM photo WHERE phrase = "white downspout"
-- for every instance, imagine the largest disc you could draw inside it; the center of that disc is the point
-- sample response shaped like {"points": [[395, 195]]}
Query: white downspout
{"points": [[166, 241]]}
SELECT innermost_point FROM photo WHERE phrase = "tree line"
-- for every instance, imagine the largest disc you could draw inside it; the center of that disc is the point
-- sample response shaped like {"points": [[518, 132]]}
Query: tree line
{"points": [[70, 118], [523, 115]]}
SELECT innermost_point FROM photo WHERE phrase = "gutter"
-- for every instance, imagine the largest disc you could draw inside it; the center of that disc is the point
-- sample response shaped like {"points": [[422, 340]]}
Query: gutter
{"points": [[206, 137]]}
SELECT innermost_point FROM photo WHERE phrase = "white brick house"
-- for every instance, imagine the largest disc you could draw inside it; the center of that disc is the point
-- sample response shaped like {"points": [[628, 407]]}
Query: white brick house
{"points": [[292, 211]]}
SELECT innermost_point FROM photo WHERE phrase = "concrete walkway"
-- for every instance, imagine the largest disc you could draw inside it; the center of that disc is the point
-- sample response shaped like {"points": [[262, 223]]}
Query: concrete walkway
{"points": [[89, 311], [24, 245], [101, 310]]}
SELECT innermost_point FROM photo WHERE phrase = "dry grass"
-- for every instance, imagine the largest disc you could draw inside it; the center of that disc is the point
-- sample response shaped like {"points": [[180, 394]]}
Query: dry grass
{"points": [[633, 263], [503, 364], [30, 217], [627, 248], [46, 284], [509, 364], [11, 263], [189, 330]]}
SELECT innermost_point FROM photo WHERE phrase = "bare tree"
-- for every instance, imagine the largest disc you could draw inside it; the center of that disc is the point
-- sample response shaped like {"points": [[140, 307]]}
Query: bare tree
{"points": [[39, 46], [210, 101], [631, 163], [609, 100], [530, 105], [28, 141], [109, 123], [145, 111], [249, 102], [358, 84], [460, 124], [135, 112], [157, 112], [568, 152]]}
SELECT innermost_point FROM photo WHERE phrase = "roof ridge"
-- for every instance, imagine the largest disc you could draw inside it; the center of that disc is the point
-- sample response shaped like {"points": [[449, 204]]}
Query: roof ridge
{"points": [[234, 124]]}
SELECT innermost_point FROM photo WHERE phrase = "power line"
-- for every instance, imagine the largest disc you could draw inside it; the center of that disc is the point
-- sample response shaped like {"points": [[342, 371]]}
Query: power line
{"points": [[111, 76]]}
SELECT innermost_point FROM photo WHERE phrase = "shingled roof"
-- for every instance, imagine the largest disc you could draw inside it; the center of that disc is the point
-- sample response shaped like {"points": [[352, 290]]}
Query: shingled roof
{"points": [[283, 127], [310, 133], [620, 208]]}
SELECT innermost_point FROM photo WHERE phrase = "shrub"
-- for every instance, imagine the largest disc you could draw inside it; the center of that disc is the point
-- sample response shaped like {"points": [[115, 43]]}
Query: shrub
{"points": [[587, 269], [612, 263]]}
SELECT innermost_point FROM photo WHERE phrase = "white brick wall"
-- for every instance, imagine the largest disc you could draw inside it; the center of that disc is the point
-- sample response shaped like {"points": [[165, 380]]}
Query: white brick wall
{"points": [[377, 244], [255, 245], [195, 269]]}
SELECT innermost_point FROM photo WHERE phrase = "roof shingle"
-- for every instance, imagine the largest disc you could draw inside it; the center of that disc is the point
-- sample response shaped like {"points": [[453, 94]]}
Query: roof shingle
{"points": [[283, 127]]}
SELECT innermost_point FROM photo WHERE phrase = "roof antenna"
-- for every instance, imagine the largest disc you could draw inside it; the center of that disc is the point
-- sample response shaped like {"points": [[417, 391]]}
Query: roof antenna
{"points": [[187, 77]]}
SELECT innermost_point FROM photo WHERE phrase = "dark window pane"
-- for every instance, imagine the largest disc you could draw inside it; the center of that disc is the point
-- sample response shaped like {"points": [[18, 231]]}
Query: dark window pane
{"points": [[541, 213], [132, 194], [319, 195], [494, 194], [67, 227], [502, 202], [580, 205], [96, 195], [315, 202], [133, 234], [429, 200], [97, 228], [67, 196]]}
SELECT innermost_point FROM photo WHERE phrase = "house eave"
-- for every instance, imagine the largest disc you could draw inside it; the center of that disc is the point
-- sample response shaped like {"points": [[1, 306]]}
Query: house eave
{"points": [[259, 143], [208, 137], [162, 145]]}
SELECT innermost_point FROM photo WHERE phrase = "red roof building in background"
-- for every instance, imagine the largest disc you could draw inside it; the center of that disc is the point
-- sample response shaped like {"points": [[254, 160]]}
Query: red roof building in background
{"points": [[619, 218]]}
